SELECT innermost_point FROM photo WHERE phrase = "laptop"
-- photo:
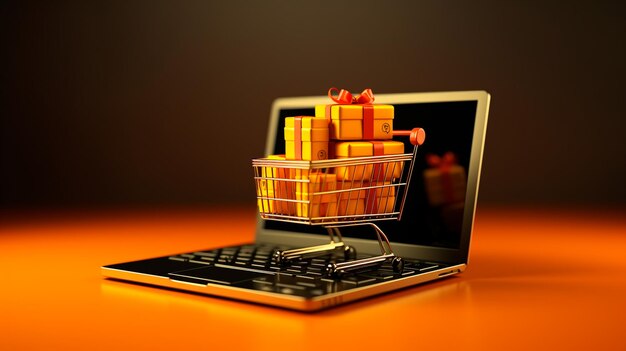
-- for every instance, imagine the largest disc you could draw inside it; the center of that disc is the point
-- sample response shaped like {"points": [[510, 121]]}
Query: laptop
{"points": [[432, 237]]}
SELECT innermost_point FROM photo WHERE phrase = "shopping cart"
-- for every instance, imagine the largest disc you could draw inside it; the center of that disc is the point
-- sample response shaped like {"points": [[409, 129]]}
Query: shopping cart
{"points": [[336, 194]]}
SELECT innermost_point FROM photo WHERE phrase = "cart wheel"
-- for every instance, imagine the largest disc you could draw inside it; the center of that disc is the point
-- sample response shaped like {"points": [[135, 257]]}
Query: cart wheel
{"points": [[278, 257], [349, 252], [331, 271], [398, 264]]}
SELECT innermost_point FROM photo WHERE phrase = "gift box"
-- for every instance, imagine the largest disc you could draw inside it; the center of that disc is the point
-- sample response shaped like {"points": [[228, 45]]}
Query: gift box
{"points": [[356, 117], [350, 199], [351, 207], [358, 198], [276, 189], [358, 122], [306, 138], [381, 198], [445, 181], [376, 172], [316, 205]]}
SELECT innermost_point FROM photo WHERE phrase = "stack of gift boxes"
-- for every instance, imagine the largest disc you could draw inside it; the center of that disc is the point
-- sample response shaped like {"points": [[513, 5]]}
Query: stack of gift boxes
{"points": [[336, 131]]}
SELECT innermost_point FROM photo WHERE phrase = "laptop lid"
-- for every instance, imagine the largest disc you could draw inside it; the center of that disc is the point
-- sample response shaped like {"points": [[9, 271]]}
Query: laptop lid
{"points": [[439, 212]]}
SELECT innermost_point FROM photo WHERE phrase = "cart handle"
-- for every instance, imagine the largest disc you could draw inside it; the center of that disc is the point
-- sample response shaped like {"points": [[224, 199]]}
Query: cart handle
{"points": [[416, 135]]}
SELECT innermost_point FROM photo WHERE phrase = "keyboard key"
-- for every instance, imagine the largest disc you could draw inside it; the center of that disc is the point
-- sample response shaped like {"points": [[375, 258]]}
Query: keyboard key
{"points": [[177, 258], [206, 253], [314, 274], [200, 261]]}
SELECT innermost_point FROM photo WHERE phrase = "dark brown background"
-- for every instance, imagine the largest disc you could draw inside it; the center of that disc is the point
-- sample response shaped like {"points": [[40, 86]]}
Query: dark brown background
{"points": [[108, 103]]}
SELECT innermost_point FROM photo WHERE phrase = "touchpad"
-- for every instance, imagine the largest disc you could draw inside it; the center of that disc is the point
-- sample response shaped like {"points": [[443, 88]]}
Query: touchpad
{"points": [[219, 275]]}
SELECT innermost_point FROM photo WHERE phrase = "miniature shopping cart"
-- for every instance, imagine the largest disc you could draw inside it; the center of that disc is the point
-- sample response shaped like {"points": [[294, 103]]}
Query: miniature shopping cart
{"points": [[336, 194]]}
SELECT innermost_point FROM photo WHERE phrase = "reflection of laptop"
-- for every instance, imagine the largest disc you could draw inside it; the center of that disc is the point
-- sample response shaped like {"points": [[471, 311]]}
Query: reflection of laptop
{"points": [[432, 237]]}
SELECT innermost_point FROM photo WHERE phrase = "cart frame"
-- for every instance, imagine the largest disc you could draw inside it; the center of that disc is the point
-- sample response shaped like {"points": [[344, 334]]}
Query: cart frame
{"points": [[376, 178]]}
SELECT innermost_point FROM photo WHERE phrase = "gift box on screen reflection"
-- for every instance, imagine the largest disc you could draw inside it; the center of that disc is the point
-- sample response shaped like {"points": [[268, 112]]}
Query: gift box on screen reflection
{"points": [[306, 138], [314, 204], [368, 172], [445, 181], [276, 189], [356, 117]]}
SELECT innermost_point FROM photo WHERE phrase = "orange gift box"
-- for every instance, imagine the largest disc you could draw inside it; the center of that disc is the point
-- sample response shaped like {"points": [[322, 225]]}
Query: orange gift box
{"points": [[315, 205], [276, 189], [306, 138], [356, 198], [350, 199], [386, 171], [358, 122], [381, 198]]}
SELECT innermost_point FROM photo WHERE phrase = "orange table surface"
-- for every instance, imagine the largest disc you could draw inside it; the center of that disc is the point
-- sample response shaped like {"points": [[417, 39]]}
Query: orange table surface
{"points": [[537, 279]]}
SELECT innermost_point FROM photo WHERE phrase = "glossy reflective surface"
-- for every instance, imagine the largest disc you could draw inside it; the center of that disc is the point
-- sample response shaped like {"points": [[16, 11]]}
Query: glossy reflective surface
{"points": [[537, 279]]}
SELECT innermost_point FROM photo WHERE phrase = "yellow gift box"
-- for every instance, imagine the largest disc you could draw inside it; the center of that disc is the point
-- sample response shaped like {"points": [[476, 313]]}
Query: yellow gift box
{"points": [[306, 138], [274, 187], [358, 122], [379, 172], [315, 205]]}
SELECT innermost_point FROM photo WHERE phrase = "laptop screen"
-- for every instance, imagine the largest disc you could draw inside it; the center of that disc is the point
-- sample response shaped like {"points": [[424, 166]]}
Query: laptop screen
{"points": [[434, 208]]}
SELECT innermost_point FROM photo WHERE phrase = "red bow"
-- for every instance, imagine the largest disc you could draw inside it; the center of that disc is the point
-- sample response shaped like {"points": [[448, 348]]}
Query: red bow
{"points": [[345, 98], [444, 162]]}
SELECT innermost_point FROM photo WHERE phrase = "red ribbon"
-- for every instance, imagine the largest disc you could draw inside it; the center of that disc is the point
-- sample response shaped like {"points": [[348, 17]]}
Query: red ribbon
{"points": [[377, 169], [297, 130], [444, 163], [366, 98], [344, 97]]}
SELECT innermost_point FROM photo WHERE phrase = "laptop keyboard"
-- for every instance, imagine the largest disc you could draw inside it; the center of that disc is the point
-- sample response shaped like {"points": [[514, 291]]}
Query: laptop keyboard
{"points": [[305, 277]]}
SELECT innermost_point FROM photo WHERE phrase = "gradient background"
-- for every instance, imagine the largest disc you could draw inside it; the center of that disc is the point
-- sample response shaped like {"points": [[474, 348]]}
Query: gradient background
{"points": [[115, 103]]}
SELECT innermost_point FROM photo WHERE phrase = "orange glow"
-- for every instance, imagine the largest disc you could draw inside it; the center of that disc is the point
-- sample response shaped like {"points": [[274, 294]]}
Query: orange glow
{"points": [[536, 279]]}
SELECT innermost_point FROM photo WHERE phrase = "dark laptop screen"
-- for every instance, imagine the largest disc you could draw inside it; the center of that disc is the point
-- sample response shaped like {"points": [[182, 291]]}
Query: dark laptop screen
{"points": [[433, 213]]}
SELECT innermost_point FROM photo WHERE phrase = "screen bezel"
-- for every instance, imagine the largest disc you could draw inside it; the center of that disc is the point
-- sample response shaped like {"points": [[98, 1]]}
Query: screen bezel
{"points": [[430, 253]]}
